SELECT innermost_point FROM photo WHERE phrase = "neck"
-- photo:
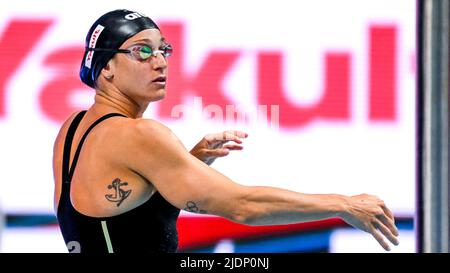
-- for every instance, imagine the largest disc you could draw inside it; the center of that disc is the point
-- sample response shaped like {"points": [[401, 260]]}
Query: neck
{"points": [[112, 100]]}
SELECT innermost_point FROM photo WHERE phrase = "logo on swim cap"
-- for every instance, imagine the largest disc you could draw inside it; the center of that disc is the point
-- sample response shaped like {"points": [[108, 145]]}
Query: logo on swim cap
{"points": [[134, 15], [92, 43]]}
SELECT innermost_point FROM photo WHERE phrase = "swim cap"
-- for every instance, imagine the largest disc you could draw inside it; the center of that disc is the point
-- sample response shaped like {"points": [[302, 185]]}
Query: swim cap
{"points": [[110, 31]]}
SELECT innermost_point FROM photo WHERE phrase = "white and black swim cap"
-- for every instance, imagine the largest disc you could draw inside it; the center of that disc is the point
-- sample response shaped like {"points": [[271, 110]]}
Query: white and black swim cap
{"points": [[110, 31]]}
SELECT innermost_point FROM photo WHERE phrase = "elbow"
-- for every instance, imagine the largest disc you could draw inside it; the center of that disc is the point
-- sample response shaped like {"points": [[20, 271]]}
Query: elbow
{"points": [[239, 217], [244, 213], [242, 208]]}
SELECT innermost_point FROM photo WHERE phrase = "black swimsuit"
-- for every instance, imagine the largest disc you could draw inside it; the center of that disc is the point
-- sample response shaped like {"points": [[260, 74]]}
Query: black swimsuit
{"points": [[148, 228]]}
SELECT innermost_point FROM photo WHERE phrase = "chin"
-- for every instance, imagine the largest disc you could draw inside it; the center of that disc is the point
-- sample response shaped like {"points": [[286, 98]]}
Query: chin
{"points": [[158, 95]]}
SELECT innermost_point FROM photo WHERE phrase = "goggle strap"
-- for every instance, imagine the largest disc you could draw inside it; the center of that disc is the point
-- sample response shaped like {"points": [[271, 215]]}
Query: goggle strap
{"points": [[154, 52]]}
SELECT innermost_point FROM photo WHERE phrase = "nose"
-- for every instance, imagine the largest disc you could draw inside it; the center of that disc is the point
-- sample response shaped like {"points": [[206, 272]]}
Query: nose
{"points": [[159, 61]]}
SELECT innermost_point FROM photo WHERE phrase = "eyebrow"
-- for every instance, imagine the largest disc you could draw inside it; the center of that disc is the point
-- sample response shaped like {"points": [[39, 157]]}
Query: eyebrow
{"points": [[150, 41]]}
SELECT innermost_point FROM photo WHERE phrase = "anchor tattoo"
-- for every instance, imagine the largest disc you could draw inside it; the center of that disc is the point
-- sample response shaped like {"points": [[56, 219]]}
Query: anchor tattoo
{"points": [[120, 194]]}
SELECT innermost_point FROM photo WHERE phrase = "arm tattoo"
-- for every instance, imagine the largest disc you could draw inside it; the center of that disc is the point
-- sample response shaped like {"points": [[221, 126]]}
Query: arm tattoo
{"points": [[119, 194], [192, 207]]}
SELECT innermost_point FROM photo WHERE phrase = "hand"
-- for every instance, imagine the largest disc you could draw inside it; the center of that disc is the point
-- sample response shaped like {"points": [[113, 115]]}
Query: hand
{"points": [[212, 145], [370, 214]]}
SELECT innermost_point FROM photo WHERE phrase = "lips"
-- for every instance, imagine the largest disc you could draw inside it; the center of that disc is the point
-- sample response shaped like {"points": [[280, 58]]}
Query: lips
{"points": [[160, 79]]}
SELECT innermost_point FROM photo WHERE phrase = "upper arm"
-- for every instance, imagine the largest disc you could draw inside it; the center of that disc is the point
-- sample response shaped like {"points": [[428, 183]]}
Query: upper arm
{"points": [[160, 157]]}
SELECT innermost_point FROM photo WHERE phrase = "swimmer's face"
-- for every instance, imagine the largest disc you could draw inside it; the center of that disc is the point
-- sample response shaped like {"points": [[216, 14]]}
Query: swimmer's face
{"points": [[142, 74]]}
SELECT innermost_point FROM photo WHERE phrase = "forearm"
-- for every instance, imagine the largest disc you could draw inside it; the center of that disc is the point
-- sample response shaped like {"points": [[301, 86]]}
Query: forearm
{"points": [[274, 206]]}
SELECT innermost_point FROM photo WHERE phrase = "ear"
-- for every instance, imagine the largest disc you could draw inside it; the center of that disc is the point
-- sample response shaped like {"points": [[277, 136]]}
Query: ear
{"points": [[108, 70]]}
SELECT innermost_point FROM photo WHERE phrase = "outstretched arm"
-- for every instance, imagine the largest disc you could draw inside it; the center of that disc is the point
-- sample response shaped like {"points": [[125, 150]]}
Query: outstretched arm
{"points": [[279, 206], [189, 184]]}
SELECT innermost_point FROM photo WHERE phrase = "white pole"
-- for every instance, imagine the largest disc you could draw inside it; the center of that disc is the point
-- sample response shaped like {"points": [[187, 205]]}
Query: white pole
{"points": [[435, 86]]}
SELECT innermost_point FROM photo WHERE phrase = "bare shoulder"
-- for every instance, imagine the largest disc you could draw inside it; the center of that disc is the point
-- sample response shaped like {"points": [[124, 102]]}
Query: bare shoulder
{"points": [[63, 130], [150, 143], [150, 126], [151, 132]]}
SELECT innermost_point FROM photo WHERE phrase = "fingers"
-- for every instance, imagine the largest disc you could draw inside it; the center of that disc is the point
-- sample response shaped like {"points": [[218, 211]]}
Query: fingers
{"points": [[389, 223], [224, 151], [235, 136], [217, 152], [239, 134], [233, 147], [381, 221], [387, 232], [387, 218], [389, 214], [385, 223], [387, 211], [377, 235], [225, 136]]}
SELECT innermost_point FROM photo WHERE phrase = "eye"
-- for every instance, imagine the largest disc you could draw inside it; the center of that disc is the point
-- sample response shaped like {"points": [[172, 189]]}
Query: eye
{"points": [[167, 48], [145, 52]]}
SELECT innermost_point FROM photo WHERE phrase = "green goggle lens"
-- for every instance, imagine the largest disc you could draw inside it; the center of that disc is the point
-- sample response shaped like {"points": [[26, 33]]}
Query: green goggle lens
{"points": [[145, 52], [167, 50]]}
